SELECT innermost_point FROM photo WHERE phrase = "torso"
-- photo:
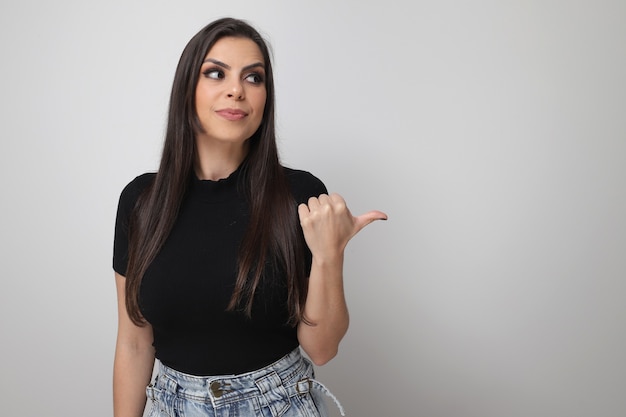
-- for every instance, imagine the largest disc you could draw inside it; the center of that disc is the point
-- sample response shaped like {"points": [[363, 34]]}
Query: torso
{"points": [[186, 289]]}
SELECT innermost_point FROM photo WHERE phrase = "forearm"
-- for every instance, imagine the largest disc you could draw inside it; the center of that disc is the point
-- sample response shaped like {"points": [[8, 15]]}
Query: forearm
{"points": [[132, 371], [325, 311], [328, 225]]}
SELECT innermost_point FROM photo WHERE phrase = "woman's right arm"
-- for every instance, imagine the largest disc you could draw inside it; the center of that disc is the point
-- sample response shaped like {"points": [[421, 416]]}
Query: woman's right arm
{"points": [[134, 360]]}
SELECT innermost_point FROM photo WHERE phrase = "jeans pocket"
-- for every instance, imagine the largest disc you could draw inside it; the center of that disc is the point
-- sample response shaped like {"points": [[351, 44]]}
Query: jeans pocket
{"points": [[319, 393], [317, 398], [162, 404]]}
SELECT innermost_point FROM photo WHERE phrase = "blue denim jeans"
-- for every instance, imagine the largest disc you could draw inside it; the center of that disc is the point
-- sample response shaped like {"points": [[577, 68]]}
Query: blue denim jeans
{"points": [[286, 388]]}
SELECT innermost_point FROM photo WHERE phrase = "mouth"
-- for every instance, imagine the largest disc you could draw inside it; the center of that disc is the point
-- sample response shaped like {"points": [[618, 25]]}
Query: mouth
{"points": [[232, 114]]}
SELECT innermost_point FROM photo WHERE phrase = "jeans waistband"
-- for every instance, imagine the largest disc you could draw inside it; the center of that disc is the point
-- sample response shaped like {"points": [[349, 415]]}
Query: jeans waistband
{"points": [[222, 388], [289, 376]]}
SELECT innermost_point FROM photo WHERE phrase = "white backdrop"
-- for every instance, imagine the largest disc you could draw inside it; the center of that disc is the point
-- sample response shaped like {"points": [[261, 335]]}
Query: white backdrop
{"points": [[493, 133]]}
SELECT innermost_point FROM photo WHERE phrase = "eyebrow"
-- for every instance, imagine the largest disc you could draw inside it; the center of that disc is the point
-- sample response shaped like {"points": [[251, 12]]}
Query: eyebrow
{"points": [[223, 65]]}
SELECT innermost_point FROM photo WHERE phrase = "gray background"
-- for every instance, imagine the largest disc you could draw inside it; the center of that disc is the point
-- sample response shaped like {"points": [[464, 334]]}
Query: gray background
{"points": [[493, 133]]}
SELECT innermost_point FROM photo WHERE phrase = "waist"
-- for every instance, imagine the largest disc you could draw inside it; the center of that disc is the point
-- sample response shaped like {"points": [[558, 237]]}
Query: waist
{"points": [[199, 354], [290, 373]]}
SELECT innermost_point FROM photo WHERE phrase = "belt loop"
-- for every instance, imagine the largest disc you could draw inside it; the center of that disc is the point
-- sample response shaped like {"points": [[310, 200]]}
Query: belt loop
{"points": [[304, 385], [273, 393], [150, 392]]}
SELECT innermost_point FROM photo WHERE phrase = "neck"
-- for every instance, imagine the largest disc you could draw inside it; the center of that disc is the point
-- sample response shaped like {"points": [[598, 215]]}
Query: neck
{"points": [[217, 161]]}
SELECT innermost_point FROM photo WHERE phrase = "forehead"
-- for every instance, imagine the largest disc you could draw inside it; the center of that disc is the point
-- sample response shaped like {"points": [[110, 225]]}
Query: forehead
{"points": [[235, 50]]}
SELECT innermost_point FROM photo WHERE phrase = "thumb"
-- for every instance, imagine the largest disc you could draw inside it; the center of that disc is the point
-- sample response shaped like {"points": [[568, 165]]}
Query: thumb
{"points": [[366, 218]]}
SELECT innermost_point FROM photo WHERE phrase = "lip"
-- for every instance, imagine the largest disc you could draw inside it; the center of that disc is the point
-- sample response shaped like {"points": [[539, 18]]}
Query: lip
{"points": [[232, 114]]}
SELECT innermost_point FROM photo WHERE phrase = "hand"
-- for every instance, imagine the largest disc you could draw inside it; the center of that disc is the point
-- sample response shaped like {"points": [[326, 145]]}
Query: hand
{"points": [[328, 224]]}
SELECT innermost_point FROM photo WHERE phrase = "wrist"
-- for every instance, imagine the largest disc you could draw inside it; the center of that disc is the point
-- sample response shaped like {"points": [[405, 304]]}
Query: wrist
{"points": [[328, 261]]}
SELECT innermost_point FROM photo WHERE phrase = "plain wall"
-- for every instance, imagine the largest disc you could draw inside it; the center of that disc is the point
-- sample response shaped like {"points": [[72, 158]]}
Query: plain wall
{"points": [[493, 133]]}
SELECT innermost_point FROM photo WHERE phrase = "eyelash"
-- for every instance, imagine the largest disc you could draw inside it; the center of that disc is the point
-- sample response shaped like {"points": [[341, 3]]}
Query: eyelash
{"points": [[259, 77], [220, 75], [207, 73]]}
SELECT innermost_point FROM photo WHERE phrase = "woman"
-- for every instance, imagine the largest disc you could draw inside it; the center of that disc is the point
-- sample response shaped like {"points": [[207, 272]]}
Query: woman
{"points": [[225, 261]]}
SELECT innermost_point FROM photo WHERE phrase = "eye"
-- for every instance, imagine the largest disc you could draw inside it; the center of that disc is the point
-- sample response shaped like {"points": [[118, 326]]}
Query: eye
{"points": [[254, 78], [213, 73]]}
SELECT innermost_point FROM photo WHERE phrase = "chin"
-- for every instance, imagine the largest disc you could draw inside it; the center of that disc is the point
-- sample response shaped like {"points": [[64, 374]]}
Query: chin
{"points": [[226, 136]]}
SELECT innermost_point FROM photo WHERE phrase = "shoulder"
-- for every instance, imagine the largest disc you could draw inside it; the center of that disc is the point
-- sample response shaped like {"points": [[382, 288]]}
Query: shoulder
{"points": [[133, 189], [304, 185]]}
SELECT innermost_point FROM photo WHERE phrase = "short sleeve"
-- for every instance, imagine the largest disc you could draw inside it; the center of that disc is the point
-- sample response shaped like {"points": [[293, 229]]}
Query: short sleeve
{"points": [[304, 185], [127, 201]]}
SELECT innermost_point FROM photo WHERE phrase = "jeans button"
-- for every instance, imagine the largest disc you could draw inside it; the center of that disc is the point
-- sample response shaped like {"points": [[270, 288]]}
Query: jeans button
{"points": [[216, 389]]}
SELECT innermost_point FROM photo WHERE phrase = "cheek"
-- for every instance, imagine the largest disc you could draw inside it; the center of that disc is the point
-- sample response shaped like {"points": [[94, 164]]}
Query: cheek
{"points": [[204, 96], [259, 102]]}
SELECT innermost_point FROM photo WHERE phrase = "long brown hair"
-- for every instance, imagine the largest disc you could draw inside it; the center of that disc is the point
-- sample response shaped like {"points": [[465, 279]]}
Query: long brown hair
{"points": [[273, 233]]}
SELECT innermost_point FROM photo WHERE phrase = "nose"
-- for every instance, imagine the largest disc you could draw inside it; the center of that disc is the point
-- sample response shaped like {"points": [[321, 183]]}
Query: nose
{"points": [[236, 90]]}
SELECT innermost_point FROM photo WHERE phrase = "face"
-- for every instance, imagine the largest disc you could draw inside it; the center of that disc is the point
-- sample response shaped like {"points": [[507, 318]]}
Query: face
{"points": [[230, 94]]}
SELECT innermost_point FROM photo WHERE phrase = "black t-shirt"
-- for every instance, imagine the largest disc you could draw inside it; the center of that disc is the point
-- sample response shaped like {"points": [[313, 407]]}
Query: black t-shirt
{"points": [[185, 291]]}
